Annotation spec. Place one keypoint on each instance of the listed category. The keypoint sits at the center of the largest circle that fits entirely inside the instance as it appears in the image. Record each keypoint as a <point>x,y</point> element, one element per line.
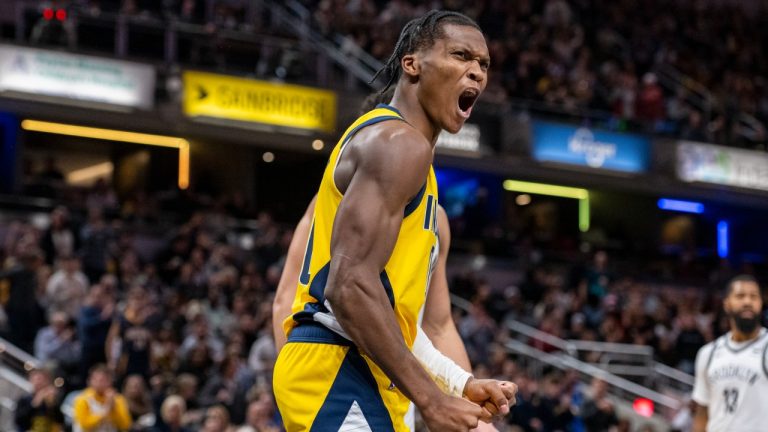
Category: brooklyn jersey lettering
<point>406,275</point>
<point>732,381</point>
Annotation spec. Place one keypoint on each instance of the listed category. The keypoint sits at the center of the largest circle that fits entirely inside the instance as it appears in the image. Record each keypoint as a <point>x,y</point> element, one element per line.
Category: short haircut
<point>100,368</point>
<point>418,34</point>
<point>741,278</point>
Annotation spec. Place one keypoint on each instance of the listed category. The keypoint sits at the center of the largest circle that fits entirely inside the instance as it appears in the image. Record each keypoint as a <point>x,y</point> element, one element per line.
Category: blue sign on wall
<point>554,142</point>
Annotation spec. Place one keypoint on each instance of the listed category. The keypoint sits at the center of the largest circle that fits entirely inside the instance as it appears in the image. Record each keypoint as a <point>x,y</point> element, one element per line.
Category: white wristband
<point>449,376</point>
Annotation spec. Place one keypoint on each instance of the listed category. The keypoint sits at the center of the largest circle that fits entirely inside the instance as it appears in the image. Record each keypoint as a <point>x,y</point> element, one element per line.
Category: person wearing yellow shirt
<point>99,408</point>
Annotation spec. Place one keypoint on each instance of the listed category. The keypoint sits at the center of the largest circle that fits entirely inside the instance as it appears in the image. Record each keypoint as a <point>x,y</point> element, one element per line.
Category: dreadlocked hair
<point>419,33</point>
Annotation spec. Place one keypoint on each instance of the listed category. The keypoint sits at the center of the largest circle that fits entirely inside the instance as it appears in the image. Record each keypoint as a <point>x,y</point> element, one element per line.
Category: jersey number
<point>304,276</point>
<point>731,396</point>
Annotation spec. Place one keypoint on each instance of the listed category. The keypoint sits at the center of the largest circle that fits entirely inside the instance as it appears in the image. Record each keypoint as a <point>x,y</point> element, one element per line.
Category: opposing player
<point>351,361</point>
<point>731,388</point>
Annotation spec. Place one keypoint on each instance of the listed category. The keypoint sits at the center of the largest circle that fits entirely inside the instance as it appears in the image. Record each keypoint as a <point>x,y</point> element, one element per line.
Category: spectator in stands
<point>262,355</point>
<point>171,416</point>
<point>137,397</point>
<point>650,100</point>
<point>67,287</point>
<point>694,128</point>
<point>261,414</point>
<point>133,331</point>
<point>200,335</point>
<point>59,239</point>
<point>39,411</point>
<point>93,325</point>
<point>216,420</point>
<point>96,238</point>
<point>20,284</point>
<point>598,412</point>
<point>229,387</point>
<point>688,341</point>
<point>56,342</point>
<point>100,408</point>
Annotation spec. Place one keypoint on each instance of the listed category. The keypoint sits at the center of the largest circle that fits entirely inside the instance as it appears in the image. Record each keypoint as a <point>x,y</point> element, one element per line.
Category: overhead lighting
<point>545,189</point>
<point>318,144</point>
<point>722,239</point>
<point>268,157</point>
<point>681,206</point>
<point>558,191</point>
<point>523,200</point>
<point>120,136</point>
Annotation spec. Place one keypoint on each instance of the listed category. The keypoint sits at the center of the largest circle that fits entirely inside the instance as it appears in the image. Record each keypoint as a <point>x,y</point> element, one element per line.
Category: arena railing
<point>626,360</point>
<point>14,365</point>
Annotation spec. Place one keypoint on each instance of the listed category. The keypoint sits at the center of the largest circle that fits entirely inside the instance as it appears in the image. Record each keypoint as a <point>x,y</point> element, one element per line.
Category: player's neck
<point>405,101</point>
<point>739,336</point>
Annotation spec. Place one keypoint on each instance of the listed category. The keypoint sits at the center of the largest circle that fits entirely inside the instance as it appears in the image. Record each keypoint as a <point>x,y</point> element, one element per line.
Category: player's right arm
<point>383,170</point>
<point>700,419</point>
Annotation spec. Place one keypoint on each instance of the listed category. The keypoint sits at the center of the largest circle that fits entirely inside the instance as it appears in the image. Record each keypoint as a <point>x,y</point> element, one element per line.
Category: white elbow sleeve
<point>449,376</point>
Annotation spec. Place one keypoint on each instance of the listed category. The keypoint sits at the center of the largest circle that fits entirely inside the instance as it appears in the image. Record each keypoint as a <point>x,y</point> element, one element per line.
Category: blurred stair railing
<point>14,365</point>
<point>631,363</point>
<point>359,66</point>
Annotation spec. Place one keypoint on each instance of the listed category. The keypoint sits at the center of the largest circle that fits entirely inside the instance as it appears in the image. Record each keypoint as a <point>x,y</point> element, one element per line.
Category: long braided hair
<point>419,33</point>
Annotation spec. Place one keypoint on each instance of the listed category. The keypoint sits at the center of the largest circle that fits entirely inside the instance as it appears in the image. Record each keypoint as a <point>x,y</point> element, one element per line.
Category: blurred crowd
<point>582,55</point>
<point>163,334</point>
<point>175,334</point>
<point>684,69</point>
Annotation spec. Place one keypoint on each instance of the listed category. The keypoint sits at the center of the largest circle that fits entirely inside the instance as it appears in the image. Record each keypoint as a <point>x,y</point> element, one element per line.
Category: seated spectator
<point>171,416</point>
<point>229,387</point>
<point>598,412</point>
<point>137,396</point>
<point>216,420</point>
<point>100,408</point>
<point>40,411</point>
<point>56,342</point>
<point>261,414</point>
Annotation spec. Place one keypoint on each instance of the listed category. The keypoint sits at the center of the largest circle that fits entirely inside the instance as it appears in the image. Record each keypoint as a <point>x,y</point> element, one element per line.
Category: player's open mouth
<point>467,100</point>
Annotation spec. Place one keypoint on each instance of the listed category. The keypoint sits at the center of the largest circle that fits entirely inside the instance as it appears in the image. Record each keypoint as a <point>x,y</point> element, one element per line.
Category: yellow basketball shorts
<point>323,384</point>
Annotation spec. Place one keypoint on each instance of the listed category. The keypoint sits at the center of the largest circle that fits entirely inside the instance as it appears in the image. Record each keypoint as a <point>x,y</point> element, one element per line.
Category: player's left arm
<point>289,279</point>
<point>438,323</point>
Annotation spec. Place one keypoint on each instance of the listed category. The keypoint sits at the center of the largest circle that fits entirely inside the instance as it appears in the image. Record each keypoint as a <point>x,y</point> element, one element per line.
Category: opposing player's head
<point>443,56</point>
<point>743,303</point>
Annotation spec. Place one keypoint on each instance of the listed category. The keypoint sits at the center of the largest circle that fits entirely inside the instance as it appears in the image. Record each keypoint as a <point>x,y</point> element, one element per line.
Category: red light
<point>61,14</point>
<point>643,406</point>
<point>48,14</point>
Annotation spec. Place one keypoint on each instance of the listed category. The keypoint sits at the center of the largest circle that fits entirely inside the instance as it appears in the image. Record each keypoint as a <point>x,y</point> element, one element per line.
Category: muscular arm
<point>700,419</point>
<point>378,183</point>
<point>289,280</point>
<point>438,323</point>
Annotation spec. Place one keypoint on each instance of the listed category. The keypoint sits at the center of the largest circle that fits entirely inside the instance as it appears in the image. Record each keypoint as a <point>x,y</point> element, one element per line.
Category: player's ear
<point>411,66</point>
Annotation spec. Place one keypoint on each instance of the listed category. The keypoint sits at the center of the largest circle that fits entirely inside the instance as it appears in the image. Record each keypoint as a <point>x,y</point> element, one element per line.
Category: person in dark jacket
<point>40,411</point>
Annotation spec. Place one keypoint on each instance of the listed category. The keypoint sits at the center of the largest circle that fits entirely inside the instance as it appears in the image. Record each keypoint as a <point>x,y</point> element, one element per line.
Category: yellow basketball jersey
<point>406,275</point>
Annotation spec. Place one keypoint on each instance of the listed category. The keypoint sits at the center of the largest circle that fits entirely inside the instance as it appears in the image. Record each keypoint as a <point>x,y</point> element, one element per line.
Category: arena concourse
<point>155,157</point>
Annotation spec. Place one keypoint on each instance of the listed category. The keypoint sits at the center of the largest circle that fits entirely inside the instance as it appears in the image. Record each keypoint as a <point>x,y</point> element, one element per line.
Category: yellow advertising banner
<point>232,98</point>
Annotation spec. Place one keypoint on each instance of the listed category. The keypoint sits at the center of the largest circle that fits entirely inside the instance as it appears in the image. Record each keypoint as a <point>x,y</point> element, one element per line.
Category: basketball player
<point>437,321</point>
<point>731,389</point>
<point>351,361</point>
